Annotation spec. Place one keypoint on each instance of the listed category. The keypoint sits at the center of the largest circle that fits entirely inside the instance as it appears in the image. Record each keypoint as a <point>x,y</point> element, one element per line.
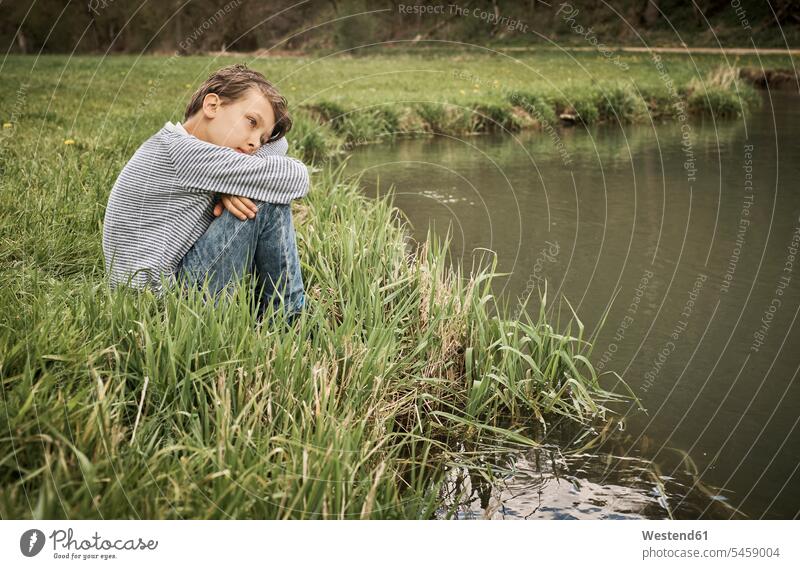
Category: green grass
<point>122,405</point>
<point>341,101</point>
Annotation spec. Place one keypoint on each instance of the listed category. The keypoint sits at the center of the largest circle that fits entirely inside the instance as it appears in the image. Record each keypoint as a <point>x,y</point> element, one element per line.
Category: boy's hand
<point>240,206</point>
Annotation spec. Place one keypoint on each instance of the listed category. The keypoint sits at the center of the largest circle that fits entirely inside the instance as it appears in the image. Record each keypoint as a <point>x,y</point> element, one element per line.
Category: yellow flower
<point>462,91</point>
<point>7,125</point>
<point>188,85</point>
<point>69,141</point>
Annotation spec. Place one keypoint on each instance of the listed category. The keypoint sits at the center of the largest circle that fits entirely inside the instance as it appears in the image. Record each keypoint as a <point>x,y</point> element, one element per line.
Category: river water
<point>686,235</point>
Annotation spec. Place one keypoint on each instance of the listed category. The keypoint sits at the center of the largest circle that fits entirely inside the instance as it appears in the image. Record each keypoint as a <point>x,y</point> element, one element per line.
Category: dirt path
<point>684,49</point>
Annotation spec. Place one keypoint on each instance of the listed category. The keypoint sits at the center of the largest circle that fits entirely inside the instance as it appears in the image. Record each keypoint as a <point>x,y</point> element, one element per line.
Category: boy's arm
<point>276,148</point>
<point>203,167</point>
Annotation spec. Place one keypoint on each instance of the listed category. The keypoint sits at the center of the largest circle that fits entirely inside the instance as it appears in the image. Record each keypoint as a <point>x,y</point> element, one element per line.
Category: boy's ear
<point>211,103</point>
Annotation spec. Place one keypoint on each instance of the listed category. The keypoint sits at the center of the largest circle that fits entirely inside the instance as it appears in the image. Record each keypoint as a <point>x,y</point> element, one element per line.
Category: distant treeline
<point>196,26</point>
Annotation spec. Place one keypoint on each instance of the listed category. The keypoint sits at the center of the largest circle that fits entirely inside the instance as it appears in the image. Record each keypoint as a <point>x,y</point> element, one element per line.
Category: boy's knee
<point>275,211</point>
<point>269,206</point>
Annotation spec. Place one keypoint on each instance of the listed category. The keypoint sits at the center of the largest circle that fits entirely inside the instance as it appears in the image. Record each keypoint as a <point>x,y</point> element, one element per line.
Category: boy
<point>162,218</point>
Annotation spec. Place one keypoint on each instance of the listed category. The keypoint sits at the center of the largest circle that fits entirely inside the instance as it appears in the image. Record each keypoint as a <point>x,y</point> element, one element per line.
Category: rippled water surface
<point>690,248</point>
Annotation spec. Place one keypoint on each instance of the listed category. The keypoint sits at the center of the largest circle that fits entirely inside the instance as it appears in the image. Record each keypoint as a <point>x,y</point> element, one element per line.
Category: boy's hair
<point>231,82</point>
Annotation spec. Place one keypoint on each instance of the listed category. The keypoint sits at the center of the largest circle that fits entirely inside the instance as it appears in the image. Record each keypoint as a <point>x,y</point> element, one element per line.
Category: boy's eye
<point>252,122</point>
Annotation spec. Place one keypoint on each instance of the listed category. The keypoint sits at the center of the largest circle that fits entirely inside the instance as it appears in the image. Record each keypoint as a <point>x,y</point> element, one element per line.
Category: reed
<point>125,405</point>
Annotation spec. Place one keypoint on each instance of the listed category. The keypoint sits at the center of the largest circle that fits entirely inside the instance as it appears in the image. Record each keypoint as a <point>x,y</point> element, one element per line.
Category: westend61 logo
<point>65,546</point>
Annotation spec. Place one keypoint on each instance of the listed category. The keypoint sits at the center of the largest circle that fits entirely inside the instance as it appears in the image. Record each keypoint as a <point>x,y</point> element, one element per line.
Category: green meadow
<point>121,405</point>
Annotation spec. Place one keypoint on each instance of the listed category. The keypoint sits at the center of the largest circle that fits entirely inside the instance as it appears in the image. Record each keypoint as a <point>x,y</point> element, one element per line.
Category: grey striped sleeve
<point>203,167</point>
<point>276,148</point>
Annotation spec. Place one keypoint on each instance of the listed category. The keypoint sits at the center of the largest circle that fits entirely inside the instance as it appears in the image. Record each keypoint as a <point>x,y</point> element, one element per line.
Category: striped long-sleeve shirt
<point>164,197</point>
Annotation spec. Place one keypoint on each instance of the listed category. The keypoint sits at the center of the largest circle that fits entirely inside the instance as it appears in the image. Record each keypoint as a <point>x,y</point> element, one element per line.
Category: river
<point>686,234</point>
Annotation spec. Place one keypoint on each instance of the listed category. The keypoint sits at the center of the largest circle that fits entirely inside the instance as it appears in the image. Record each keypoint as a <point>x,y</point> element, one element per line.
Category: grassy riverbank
<point>128,406</point>
<point>459,94</point>
<point>340,102</point>
<point>122,406</point>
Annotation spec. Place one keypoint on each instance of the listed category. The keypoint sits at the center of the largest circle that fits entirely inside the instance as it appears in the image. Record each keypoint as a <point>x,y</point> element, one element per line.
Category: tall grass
<point>122,405</point>
<point>721,93</point>
<point>615,99</point>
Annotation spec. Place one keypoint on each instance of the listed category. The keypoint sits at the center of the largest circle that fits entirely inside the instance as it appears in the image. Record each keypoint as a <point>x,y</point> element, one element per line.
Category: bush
<point>445,118</point>
<point>720,93</point>
<point>491,117</point>
<point>432,115</point>
<point>312,140</point>
<point>586,109</point>
<point>363,126</point>
<point>330,111</point>
<point>722,102</point>
<point>619,102</point>
<point>535,105</point>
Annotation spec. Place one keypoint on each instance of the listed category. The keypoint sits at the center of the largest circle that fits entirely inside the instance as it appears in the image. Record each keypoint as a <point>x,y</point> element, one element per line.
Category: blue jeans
<point>263,246</point>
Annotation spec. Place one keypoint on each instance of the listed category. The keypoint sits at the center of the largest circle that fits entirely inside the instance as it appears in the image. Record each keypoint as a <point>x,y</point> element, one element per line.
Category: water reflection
<point>604,482</point>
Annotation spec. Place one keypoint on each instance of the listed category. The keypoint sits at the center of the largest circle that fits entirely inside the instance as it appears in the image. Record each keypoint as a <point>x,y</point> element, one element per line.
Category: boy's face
<point>242,124</point>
